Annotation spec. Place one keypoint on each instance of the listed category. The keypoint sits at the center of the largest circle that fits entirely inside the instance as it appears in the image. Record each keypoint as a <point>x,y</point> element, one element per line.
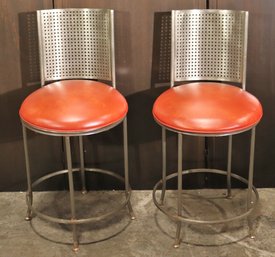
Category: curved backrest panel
<point>76,43</point>
<point>209,45</point>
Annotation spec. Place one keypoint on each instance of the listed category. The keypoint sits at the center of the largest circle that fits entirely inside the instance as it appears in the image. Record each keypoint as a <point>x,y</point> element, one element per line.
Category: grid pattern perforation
<point>75,43</point>
<point>209,45</point>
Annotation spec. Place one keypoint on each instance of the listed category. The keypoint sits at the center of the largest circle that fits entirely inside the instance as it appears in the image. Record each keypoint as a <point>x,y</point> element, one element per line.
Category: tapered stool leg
<point>177,241</point>
<point>82,168</point>
<point>29,195</point>
<point>250,182</point>
<point>229,161</point>
<point>126,166</point>
<point>163,140</point>
<point>71,189</point>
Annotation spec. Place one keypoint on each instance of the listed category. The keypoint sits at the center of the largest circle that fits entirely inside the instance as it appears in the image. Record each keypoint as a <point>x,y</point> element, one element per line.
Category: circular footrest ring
<point>83,220</point>
<point>176,217</point>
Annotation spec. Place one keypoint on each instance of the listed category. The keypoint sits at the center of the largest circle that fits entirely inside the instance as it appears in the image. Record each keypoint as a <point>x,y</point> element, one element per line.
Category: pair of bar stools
<point>77,53</point>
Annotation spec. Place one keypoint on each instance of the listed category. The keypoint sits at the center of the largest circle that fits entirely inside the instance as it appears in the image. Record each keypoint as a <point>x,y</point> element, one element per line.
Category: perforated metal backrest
<point>209,45</point>
<point>76,43</point>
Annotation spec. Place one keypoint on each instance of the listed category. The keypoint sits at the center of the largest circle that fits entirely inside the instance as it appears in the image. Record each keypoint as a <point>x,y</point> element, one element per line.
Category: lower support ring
<point>79,221</point>
<point>176,217</point>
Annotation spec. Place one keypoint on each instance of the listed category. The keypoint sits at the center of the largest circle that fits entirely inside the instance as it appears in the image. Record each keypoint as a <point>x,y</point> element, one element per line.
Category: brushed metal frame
<point>251,205</point>
<point>178,218</point>
<point>47,18</point>
<point>67,137</point>
<point>239,16</point>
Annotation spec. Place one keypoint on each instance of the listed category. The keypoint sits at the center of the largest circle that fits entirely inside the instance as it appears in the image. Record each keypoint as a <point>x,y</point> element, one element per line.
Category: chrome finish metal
<point>86,220</point>
<point>251,167</point>
<point>245,52</point>
<point>71,189</point>
<point>82,168</point>
<point>177,241</point>
<point>173,52</point>
<point>163,140</point>
<point>250,203</point>
<point>125,148</point>
<point>229,161</point>
<point>252,236</point>
<point>73,221</point>
<point>209,45</point>
<point>76,43</point>
<point>177,218</point>
<point>113,63</point>
<point>29,195</point>
<point>126,167</point>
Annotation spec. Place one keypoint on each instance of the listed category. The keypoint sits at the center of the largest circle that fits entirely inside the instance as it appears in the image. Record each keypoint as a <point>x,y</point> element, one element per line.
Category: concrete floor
<point>151,234</point>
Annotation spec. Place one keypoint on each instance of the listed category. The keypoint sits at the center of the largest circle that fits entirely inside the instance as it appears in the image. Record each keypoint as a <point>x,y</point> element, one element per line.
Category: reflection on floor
<point>151,234</point>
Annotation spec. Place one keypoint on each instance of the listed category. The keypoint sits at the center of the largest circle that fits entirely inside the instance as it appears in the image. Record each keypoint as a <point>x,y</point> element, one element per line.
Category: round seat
<point>207,108</point>
<point>73,106</point>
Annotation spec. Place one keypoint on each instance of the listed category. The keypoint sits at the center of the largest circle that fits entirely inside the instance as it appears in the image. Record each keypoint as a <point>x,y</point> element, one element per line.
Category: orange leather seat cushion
<point>73,106</point>
<point>207,108</point>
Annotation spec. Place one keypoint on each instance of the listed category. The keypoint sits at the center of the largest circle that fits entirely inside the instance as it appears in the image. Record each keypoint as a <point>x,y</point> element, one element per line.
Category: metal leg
<point>71,189</point>
<point>206,152</point>
<point>82,168</point>
<point>250,181</point>
<point>229,161</point>
<point>29,195</point>
<point>177,241</point>
<point>163,165</point>
<point>126,166</point>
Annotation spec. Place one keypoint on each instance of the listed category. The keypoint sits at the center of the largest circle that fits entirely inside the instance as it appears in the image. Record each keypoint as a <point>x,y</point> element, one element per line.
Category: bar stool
<point>208,54</point>
<point>77,58</point>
